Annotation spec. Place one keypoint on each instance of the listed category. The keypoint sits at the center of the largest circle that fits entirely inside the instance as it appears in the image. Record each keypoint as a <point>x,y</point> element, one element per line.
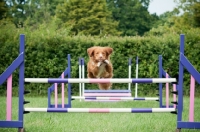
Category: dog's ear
<point>90,51</point>
<point>109,50</point>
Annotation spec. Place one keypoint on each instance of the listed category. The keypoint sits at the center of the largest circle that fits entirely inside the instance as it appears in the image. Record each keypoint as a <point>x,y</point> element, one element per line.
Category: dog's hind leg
<point>90,75</point>
<point>105,86</point>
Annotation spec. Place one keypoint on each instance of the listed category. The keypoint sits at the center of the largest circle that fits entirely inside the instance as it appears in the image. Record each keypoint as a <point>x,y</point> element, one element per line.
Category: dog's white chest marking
<point>101,67</point>
<point>101,70</point>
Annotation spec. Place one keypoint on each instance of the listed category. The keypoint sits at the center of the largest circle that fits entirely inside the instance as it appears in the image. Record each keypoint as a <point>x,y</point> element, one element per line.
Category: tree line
<point>98,17</point>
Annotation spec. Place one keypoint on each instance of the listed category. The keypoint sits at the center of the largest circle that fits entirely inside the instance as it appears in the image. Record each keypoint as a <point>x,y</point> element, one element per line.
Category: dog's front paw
<point>106,61</point>
<point>99,64</point>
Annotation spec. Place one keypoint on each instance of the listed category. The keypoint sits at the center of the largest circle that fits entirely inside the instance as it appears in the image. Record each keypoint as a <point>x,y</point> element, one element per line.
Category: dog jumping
<point>99,65</point>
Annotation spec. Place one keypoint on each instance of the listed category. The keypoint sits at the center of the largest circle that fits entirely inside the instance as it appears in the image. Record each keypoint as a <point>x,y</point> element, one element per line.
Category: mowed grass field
<point>97,122</point>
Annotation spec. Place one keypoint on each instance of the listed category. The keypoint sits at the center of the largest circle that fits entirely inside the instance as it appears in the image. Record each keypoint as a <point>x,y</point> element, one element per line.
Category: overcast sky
<point>161,6</point>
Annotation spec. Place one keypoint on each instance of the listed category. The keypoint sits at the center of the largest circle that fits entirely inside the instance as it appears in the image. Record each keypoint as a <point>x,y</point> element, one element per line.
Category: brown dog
<point>99,65</point>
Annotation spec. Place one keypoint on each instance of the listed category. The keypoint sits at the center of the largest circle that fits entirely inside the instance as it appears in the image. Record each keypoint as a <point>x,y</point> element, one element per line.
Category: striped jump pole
<point>113,80</point>
<point>174,95</point>
<point>56,95</point>
<point>136,76</point>
<point>83,74</point>
<point>9,99</point>
<point>115,98</point>
<point>80,88</point>
<point>102,110</point>
<point>63,91</point>
<point>108,94</point>
<point>192,93</point>
<point>167,93</point>
<point>129,72</point>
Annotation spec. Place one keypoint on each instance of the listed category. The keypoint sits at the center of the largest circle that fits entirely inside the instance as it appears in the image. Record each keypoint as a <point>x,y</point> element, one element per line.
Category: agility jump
<point>93,95</point>
<point>85,94</point>
<point>19,63</point>
<point>98,95</point>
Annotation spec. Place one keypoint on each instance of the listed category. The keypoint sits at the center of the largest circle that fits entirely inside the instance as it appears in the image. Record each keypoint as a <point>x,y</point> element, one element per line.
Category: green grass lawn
<point>98,122</point>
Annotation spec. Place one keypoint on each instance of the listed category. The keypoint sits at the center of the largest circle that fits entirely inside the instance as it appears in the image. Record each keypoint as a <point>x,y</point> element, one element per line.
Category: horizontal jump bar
<point>107,91</point>
<point>102,110</point>
<point>114,98</point>
<point>108,94</point>
<point>113,80</point>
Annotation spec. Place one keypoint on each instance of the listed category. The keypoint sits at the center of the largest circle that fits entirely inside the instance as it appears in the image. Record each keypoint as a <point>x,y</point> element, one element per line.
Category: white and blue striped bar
<point>113,80</point>
<point>116,98</point>
<point>102,110</point>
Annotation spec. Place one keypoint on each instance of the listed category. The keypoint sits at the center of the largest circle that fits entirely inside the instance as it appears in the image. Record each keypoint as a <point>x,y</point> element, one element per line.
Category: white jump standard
<point>113,80</point>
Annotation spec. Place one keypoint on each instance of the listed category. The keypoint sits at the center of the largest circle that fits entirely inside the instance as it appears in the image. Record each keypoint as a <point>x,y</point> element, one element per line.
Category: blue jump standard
<point>188,125</point>
<point>11,124</point>
<point>107,91</point>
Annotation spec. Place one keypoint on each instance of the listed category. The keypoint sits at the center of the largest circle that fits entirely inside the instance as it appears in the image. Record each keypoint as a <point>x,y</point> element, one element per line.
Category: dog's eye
<point>97,52</point>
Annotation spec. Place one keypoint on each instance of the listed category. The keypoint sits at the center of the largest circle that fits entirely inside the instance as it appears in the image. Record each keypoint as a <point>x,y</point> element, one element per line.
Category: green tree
<point>190,12</point>
<point>17,9</point>
<point>196,13</point>
<point>185,17</point>
<point>31,12</point>
<point>133,17</point>
<point>88,17</point>
<point>40,12</point>
<point>3,9</point>
<point>145,3</point>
